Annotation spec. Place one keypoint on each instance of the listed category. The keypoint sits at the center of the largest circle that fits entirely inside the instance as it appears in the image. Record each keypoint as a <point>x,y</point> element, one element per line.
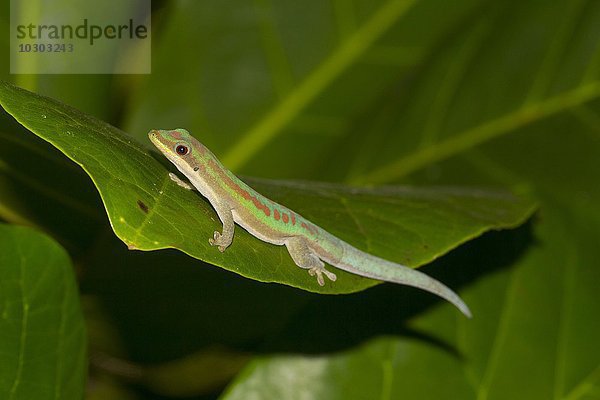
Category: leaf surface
<point>148,211</point>
<point>43,342</point>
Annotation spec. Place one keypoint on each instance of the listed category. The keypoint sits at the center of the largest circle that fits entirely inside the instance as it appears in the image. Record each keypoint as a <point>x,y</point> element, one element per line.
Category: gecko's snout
<point>155,136</point>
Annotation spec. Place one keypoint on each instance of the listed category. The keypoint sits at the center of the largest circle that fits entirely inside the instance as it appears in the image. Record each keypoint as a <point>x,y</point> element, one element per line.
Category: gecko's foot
<point>319,271</point>
<point>217,240</point>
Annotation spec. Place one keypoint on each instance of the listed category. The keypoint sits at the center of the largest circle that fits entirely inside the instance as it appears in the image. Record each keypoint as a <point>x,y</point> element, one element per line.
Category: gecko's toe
<point>216,241</point>
<point>332,277</point>
<point>320,279</point>
<point>318,273</point>
<point>221,248</point>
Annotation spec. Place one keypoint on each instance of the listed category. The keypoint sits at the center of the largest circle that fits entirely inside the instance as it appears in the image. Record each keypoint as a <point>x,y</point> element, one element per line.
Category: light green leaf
<point>374,370</point>
<point>148,211</point>
<point>42,336</point>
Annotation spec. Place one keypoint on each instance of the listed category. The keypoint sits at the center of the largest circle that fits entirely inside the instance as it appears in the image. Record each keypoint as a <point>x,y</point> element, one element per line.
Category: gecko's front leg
<point>221,240</point>
<point>224,239</point>
<point>180,182</point>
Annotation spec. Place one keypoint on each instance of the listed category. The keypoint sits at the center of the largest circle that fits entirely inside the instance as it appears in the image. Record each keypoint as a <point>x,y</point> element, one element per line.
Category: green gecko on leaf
<point>308,244</point>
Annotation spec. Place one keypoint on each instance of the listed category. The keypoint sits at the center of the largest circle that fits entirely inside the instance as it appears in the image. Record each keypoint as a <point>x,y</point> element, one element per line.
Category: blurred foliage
<point>469,92</point>
<point>42,334</point>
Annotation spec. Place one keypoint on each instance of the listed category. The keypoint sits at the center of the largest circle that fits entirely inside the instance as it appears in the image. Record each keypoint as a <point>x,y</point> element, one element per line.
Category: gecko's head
<point>174,142</point>
<point>182,149</point>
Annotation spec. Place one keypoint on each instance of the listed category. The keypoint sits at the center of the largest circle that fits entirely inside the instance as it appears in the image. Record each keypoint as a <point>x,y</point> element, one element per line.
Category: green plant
<point>461,100</point>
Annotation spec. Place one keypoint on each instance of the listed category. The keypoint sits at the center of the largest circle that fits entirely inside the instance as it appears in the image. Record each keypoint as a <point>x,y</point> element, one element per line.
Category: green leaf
<point>42,335</point>
<point>374,370</point>
<point>148,211</point>
<point>447,110</point>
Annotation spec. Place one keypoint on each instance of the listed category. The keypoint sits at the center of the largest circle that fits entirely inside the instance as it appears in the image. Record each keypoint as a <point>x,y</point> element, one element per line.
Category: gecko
<point>309,245</point>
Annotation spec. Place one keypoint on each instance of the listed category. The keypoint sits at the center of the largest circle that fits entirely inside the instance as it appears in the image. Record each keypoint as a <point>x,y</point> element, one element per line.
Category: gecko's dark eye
<point>182,150</point>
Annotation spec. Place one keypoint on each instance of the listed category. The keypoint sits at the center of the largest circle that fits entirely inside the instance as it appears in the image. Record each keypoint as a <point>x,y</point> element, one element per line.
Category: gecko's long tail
<point>367,265</point>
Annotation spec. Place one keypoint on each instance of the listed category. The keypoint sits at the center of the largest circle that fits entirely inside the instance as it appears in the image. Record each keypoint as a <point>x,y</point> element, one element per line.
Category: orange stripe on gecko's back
<point>277,215</point>
<point>310,228</point>
<point>237,188</point>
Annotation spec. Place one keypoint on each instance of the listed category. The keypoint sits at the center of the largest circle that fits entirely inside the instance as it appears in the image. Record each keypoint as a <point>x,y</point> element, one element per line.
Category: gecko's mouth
<point>155,138</point>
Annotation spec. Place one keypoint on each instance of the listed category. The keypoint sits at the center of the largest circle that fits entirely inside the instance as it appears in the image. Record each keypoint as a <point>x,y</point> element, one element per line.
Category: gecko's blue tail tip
<point>464,309</point>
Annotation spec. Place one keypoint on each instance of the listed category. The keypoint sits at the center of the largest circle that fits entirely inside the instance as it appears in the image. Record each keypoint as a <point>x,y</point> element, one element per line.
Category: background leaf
<point>42,335</point>
<point>372,370</point>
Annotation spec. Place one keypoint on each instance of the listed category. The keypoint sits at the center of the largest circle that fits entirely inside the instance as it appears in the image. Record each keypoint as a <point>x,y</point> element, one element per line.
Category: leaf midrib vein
<point>499,339</point>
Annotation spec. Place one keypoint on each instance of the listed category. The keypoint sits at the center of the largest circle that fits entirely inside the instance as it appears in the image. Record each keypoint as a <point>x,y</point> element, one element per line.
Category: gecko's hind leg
<point>305,258</point>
